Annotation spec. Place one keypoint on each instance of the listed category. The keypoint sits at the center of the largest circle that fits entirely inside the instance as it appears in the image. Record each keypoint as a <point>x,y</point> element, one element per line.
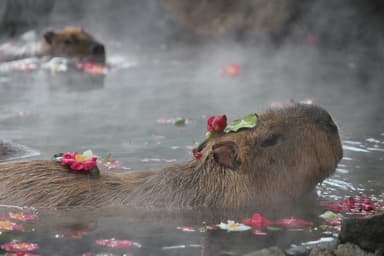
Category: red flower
<point>257,220</point>
<point>198,155</point>
<point>359,204</point>
<point>230,70</point>
<point>210,122</point>
<point>217,124</point>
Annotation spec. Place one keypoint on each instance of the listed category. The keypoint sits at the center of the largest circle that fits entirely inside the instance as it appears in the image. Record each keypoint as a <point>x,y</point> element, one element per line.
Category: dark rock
<point>351,249</point>
<point>368,233</point>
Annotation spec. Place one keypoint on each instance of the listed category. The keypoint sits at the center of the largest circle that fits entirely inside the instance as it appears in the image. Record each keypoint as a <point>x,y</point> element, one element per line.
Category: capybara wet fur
<point>280,160</point>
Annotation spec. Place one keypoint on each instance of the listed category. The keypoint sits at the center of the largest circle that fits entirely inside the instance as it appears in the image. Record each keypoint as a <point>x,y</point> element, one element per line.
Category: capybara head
<point>281,159</point>
<point>73,42</point>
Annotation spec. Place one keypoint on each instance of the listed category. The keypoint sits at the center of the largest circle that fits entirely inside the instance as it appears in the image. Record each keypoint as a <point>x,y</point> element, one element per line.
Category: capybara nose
<point>323,119</point>
<point>98,49</point>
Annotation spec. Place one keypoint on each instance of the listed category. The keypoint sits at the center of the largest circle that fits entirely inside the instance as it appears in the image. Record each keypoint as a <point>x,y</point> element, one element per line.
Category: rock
<point>368,232</point>
<point>349,249</point>
<point>297,251</point>
<point>272,251</point>
<point>12,151</point>
<point>317,251</point>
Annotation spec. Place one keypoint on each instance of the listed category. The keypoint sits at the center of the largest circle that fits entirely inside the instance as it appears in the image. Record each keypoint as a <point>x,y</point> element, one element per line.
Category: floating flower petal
<point>186,229</point>
<point>9,226</point>
<point>118,244</point>
<point>233,226</point>
<point>292,222</point>
<point>16,246</point>
<point>257,220</point>
<point>22,216</point>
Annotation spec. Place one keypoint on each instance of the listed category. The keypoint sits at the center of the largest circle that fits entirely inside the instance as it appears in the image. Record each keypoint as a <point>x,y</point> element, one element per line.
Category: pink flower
<point>9,226</point>
<point>22,216</point>
<point>89,163</point>
<point>16,246</point>
<point>113,243</point>
<point>68,158</point>
<point>257,220</point>
<point>77,166</point>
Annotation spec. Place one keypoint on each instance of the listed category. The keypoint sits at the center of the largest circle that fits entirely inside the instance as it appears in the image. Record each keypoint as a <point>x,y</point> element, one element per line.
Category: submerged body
<point>280,160</point>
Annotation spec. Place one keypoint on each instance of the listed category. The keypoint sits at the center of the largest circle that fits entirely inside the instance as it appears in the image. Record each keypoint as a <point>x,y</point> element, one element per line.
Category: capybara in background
<point>69,42</point>
<point>288,152</point>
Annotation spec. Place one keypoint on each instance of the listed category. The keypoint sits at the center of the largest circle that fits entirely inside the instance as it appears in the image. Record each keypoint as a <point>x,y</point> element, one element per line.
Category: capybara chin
<point>288,152</point>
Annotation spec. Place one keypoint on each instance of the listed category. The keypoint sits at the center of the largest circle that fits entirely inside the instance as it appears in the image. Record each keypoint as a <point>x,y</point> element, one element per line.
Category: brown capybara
<point>68,42</point>
<point>288,152</point>
<point>73,42</point>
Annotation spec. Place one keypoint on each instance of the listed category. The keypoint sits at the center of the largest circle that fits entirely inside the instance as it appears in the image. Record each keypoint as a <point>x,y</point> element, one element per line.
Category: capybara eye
<point>272,139</point>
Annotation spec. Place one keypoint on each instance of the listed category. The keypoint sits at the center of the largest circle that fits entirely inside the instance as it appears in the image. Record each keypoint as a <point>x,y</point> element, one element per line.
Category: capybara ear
<point>225,153</point>
<point>48,36</point>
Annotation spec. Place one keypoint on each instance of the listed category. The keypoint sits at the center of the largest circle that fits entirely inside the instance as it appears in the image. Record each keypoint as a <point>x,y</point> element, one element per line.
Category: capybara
<point>281,159</point>
<point>69,42</point>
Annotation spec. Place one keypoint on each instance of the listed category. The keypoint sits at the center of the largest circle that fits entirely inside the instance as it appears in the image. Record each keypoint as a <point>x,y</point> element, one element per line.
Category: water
<point>123,114</point>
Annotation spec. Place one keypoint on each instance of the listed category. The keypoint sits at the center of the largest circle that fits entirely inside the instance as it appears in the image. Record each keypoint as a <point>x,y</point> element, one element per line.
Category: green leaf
<point>57,156</point>
<point>248,121</point>
<point>180,121</point>
<point>94,172</point>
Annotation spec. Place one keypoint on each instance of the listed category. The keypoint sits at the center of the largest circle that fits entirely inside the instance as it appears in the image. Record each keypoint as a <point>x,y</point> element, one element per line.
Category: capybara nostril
<point>98,49</point>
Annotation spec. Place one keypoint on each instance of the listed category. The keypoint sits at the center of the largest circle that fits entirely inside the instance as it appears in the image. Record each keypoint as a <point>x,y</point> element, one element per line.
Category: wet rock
<point>368,233</point>
<point>272,251</point>
<point>11,151</point>
<point>297,251</point>
<point>349,249</point>
<point>317,251</point>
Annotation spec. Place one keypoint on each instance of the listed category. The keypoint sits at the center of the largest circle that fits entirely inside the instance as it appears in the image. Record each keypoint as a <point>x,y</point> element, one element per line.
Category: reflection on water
<point>120,115</point>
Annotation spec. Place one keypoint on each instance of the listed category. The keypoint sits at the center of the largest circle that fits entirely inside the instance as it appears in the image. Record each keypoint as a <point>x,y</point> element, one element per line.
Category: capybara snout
<point>281,159</point>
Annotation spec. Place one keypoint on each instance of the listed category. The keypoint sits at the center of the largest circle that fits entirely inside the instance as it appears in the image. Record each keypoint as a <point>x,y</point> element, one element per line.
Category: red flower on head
<point>210,122</point>
<point>217,124</point>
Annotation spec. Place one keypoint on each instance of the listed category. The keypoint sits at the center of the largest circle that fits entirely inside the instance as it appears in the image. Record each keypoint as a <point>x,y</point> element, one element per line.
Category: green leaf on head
<point>248,121</point>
